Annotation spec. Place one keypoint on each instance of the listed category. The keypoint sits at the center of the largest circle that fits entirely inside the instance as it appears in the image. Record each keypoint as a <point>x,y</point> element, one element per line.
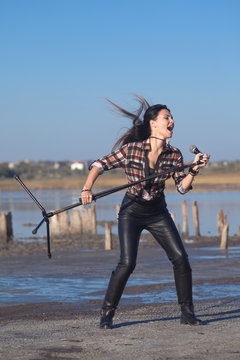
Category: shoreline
<point>18,248</point>
<point>204,182</point>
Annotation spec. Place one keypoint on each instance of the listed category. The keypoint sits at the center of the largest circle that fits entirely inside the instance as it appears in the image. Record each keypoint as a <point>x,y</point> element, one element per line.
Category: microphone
<point>193,149</point>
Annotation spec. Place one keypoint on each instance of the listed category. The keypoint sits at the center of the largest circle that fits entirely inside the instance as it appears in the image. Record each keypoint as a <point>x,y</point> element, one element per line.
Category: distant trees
<point>5,171</point>
<point>224,166</point>
<point>62,169</point>
<point>40,169</point>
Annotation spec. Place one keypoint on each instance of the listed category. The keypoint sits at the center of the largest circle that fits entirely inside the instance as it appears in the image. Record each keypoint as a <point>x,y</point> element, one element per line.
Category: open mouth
<point>170,128</point>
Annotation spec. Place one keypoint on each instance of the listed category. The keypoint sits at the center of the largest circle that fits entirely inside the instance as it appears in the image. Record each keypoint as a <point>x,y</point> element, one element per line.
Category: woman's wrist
<point>193,172</point>
<point>85,189</point>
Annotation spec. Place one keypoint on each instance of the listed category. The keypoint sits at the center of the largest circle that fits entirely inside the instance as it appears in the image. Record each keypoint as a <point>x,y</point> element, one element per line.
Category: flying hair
<point>140,129</point>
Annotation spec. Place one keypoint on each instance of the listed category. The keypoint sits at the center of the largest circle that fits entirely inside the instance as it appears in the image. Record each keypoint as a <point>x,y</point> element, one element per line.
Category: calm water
<point>26,214</point>
<point>15,290</point>
<point>38,286</point>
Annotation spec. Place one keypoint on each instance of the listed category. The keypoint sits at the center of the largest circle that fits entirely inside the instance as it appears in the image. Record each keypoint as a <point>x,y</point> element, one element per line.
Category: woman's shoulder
<point>173,149</point>
<point>134,145</point>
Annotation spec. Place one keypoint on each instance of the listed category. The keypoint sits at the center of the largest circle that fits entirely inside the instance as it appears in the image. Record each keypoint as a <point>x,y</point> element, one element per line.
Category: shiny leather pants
<point>133,218</point>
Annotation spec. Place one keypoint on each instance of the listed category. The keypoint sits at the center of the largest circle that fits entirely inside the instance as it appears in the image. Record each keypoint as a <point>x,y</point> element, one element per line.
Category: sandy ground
<point>69,330</point>
<point>53,331</point>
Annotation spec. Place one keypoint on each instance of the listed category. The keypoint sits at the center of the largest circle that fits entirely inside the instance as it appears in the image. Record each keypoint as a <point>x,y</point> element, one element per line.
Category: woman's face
<point>163,125</point>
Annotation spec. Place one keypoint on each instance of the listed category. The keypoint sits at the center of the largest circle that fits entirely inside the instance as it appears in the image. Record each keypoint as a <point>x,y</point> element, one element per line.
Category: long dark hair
<point>141,124</point>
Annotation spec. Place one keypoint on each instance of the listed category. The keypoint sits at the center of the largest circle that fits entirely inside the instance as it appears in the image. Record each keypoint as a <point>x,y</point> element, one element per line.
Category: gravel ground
<point>69,330</point>
<point>53,331</point>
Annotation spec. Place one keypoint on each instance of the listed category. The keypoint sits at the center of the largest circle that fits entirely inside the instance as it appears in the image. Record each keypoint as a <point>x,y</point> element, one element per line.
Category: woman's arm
<point>86,191</point>
<point>188,180</point>
<point>112,161</point>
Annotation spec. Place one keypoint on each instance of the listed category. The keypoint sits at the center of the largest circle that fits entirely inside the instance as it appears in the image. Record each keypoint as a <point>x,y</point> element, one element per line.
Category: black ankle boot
<point>188,317</point>
<point>106,318</point>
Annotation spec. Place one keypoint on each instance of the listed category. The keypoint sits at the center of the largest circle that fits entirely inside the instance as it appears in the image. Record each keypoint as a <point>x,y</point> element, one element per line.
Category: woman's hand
<point>187,181</point>
<point>204,158</point>
<point>86,197</point>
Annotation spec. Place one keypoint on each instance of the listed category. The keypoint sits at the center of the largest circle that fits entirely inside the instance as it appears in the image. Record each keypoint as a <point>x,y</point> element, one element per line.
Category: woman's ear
<point>152,124</point>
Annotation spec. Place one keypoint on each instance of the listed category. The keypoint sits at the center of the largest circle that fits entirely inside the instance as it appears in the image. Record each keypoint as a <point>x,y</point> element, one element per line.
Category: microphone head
<point>193,149</point>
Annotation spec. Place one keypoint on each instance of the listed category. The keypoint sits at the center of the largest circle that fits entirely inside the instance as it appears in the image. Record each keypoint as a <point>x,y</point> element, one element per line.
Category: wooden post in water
<point>86,220</point>
<point>63,223</point>
<point>173,216</point>
<point>239,230</point>
<point>93,218</point>
<point>118,209</point>
<point>185,231</point>
<point>224,236</point>
<point>6,230</point>
<point>54,226</point>
<point>54,229</point>
<point>196,218</point>
<point>59,225</point>
<point>179,228</point>
<point>220,222</point>
<point>9,226</point>
<point>108,236</point>
<point>3,227</point>
<point>75,222</point>
<point>89,220</point>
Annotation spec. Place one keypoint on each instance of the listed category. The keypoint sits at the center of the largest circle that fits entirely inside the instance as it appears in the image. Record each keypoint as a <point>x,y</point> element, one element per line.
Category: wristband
<point>85,190</point>
<point>193,172</point>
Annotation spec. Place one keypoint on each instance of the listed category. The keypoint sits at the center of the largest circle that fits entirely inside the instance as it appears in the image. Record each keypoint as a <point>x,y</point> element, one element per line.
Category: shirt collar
<point>146,145</point>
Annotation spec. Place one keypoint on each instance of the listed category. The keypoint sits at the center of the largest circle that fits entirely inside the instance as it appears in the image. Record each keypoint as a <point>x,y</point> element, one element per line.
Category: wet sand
<point>69,330</point>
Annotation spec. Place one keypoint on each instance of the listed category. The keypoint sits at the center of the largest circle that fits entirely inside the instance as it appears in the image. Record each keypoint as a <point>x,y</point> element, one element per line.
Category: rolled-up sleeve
<point>178,177</point>
<point>98,165</point>
<point>112,161</point>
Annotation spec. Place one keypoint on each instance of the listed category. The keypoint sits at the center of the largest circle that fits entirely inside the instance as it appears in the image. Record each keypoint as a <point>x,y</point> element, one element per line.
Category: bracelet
<point>193,172</point>
<point>85,190</point>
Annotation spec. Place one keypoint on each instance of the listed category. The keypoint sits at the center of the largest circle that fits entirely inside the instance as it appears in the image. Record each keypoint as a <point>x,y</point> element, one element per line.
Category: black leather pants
<point>133,218</point>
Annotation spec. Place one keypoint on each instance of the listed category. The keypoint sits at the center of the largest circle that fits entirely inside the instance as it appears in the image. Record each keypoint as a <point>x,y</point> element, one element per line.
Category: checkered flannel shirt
<point>132,157</point>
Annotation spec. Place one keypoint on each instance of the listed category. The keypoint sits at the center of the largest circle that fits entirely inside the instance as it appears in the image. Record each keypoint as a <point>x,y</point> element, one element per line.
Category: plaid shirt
<point>133,159</point>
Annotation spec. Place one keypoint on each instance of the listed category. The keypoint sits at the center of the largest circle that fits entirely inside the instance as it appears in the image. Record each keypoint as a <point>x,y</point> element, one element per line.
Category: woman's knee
<point>182,265</point>
<point>126,266</point>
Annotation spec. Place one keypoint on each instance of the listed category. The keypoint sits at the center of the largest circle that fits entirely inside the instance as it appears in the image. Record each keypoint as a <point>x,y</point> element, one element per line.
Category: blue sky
<point>59,59</point>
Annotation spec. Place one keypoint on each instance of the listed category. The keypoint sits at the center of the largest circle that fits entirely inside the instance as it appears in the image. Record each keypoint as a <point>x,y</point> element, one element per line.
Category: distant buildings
<point>78,165</point>
<point>48,169</point>
<point>73,165</point>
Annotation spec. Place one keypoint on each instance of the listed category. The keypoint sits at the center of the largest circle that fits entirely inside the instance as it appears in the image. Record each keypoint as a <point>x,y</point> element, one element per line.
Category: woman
<point>144,150</point>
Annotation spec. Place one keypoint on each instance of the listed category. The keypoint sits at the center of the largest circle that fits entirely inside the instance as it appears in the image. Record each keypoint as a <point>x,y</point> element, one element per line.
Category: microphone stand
<point>96,196</point>
<point>44,214</point>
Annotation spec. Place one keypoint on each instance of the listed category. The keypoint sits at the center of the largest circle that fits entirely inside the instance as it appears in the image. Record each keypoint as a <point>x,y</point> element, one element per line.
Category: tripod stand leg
<point>29,193</point>
<point>36,229</point>
<point>48,238</point>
